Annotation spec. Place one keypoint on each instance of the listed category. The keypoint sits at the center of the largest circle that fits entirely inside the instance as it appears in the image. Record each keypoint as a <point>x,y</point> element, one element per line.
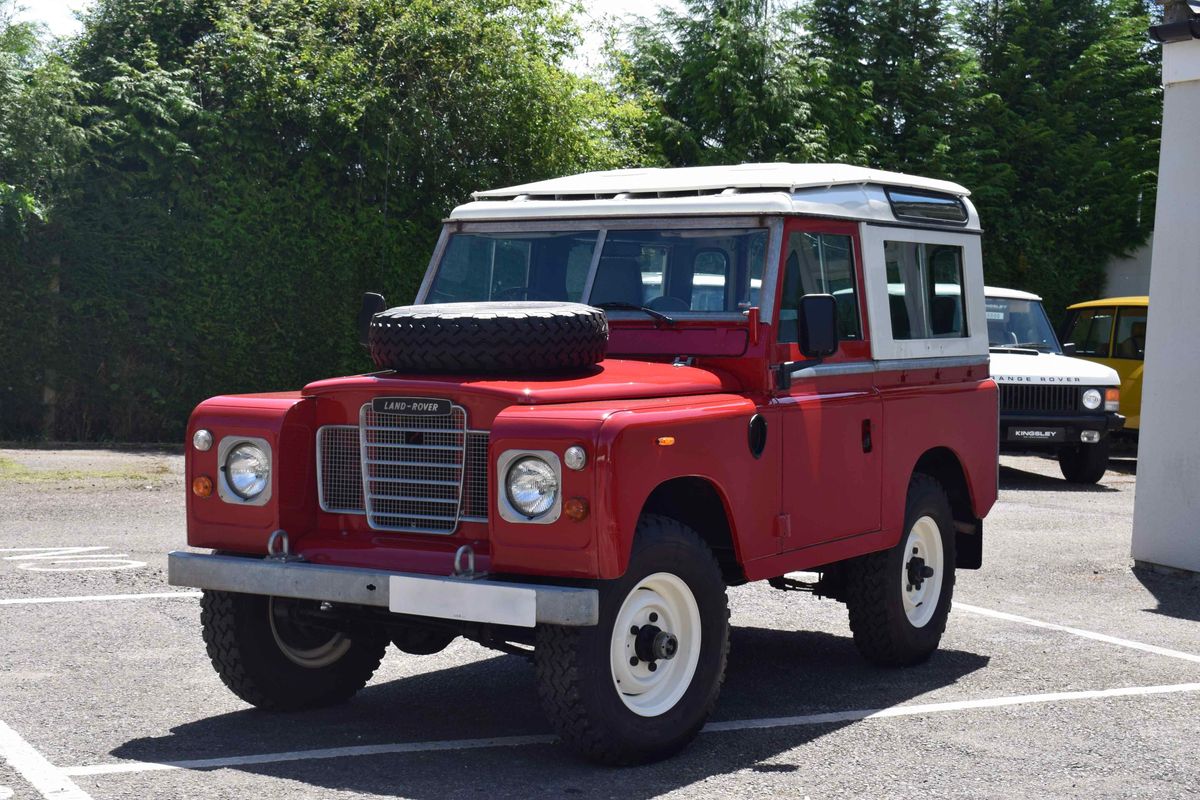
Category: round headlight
<point>1092,399</point>
<point>247,470</point>
<point>202,439</point>
<point>532,486</point>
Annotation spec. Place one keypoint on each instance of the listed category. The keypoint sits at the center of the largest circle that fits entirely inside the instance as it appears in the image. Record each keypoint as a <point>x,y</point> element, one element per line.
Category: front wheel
<point>899,599</point>
<point>1084,463</point>
<point>638,686</point>
<point>270,654</point>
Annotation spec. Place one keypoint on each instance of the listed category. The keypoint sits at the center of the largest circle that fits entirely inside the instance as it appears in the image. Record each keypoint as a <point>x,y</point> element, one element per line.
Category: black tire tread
<point>868,586</point>
<point>488,337</point>
<point>559,679</point>
<point>219,619</point>
<point>1084,463</point>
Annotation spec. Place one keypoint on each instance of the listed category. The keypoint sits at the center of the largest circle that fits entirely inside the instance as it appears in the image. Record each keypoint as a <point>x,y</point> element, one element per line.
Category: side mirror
<point>1069,348</point>
<point>372,304</point>
<point>818,325</point>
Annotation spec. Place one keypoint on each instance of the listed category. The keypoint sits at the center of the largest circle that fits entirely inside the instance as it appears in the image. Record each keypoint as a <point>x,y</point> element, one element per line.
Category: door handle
<point>866,435</point>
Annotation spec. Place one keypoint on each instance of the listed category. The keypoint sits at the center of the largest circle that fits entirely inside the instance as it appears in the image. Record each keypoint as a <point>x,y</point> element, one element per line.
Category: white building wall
<point>1129,276</point>
<point>1166,521</point>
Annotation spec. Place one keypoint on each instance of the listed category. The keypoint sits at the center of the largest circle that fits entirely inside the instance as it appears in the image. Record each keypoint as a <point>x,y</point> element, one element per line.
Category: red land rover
<point>618,394</point>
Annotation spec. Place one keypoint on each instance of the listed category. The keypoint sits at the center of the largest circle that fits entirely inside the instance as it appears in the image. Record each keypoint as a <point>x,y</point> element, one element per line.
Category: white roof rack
<point>1010,294</point>
<point>725,180</point>
<point>826,190</point>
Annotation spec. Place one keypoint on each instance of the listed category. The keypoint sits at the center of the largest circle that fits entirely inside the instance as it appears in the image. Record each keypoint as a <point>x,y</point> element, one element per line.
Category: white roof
<point>827,190</point>
<point>783,177</point>
<point>1009,294</point>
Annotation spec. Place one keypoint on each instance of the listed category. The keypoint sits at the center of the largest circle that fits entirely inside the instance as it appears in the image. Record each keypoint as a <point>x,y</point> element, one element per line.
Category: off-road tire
<point>574,677</point>
<point>488,337</point>
<point>237,633</point>
<point>882,631</point>
<point>1084,463</point>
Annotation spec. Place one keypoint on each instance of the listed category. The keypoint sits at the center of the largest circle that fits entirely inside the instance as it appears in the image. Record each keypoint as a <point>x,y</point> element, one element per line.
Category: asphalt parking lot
<point>1062,674</point>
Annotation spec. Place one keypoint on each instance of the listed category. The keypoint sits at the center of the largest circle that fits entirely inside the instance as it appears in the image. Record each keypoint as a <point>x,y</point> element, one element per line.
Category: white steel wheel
<point>655,644</point>
<point>922,567</point>
<point>307,647</point>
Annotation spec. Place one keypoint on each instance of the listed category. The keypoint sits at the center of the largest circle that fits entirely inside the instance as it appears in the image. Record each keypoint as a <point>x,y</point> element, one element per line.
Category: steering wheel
<point>512,293</point>
<point>668,303</point>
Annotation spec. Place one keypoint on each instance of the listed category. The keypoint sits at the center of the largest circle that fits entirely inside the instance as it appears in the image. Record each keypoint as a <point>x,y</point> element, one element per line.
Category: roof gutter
<point>1181,31</point>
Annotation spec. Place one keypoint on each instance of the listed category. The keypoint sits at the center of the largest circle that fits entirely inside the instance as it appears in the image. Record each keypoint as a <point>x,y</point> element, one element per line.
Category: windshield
<point>1019,323</point>
<point>669,269</point>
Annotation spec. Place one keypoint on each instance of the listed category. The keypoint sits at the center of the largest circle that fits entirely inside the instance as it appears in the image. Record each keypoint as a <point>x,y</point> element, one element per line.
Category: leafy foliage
<point>1047,110</point>
<point>725,84</point>
<point>194,193</point>
<point>1062,143</point>
<point>257,165</point>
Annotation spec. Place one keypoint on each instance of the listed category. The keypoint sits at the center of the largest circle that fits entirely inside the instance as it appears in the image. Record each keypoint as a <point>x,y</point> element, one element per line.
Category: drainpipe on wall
<point>1166,517</point>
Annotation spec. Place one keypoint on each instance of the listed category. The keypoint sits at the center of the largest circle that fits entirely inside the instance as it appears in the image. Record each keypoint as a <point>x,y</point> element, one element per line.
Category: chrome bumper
<point>478,600</point>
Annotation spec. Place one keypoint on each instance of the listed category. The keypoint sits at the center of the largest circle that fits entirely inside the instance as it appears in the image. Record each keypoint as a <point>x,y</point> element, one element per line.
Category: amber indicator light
<point>576,508</point>
<point>202,486</point>
<point>666,441</point>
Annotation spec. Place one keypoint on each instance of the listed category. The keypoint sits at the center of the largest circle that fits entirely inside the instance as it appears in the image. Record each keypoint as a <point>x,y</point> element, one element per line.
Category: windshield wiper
<point>617,305</point>
<point>1035,346</point>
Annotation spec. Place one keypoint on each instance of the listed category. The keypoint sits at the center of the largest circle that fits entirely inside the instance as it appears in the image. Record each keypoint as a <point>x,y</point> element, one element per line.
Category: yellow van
<point>1112,331</point>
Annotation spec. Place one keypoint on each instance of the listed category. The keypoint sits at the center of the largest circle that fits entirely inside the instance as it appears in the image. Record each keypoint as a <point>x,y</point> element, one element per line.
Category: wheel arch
<point>943,465</point>
<point>699,503</point>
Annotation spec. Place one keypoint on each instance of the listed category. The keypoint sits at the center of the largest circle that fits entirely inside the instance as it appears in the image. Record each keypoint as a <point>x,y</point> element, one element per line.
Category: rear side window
<point>1091,331</point>
<point>925,290</point>
<point>1130,340</point>
<point>926,206</point>
<point>819,263</point>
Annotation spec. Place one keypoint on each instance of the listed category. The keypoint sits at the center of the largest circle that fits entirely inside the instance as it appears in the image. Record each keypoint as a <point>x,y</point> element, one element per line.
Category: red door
<point>831,413</point>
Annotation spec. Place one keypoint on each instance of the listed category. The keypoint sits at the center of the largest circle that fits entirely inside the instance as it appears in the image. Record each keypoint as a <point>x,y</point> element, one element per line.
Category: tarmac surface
<point>1062,674</point>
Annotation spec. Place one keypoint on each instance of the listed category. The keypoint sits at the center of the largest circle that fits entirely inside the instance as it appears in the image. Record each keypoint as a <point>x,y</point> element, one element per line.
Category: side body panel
<point>627,463</point>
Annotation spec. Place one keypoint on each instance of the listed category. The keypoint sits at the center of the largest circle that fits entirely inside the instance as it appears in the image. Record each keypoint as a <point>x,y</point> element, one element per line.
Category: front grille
<point>339,475</point>
<point>1022,397</point>
<point>416,474</point>
<point>474,496</point>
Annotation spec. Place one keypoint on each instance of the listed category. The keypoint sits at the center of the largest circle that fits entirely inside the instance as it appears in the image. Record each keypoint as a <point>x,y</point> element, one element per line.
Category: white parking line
<point>713,727</point>
<point>49,780</point>
<point>1099,637</point>
<point>91,598</point>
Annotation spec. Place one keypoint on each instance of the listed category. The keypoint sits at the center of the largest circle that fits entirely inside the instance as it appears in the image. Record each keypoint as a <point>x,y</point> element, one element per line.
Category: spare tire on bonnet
<point>488,337</point>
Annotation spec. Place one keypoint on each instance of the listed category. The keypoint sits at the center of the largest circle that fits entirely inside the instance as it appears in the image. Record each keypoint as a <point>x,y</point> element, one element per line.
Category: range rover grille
<point>1032,398</point>
<point>409,473</point>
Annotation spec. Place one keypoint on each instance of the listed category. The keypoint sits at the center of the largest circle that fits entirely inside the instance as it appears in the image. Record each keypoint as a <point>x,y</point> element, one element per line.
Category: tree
<point>41,137</point>
<point>726,81</point>
<point>906,81</point>
<point>1062,145</point>
<point>258,164</point>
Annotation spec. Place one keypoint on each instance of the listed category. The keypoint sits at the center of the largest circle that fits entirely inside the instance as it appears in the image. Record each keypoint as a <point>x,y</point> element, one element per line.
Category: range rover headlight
<point>1092,399</point>
<point>248,470</point>
<point>531,485</point>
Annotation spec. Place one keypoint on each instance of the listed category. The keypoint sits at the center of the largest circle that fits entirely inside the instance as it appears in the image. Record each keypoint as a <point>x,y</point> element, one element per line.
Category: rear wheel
<point>271,656</point>
<point>1084,463</point>
<point>899,599</point>
<point>638,686</point>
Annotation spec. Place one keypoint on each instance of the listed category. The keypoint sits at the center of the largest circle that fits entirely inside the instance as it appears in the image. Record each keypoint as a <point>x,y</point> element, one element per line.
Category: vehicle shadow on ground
<point>771,674</point>
<point>1023,480</point>
<point>1177,595</point>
